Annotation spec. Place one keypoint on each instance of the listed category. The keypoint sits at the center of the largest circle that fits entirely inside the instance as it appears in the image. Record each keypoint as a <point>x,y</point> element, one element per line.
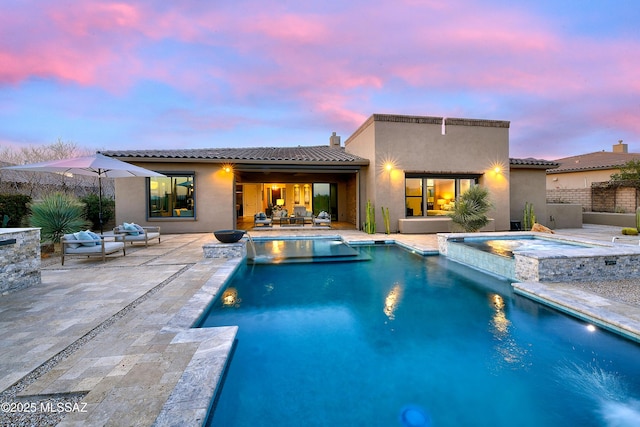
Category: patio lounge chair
<point>135,233</point>
<point>262,220</point>
<point>322,220</point>
<point>89,244</point>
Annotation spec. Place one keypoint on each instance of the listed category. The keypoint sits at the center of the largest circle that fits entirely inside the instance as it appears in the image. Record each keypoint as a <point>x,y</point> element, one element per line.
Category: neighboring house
<point>572,181</point>
<point>414,165</point>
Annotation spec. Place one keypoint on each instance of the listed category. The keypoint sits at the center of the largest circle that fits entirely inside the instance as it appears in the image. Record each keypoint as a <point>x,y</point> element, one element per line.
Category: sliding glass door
<point>325,198</point>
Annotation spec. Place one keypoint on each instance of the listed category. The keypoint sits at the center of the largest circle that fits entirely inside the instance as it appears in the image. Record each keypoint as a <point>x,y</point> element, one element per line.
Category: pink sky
<point>191,74</point>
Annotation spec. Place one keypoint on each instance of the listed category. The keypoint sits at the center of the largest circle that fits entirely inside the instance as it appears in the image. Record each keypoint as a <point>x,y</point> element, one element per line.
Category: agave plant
<point>56,215</point>
<point>470,212</point>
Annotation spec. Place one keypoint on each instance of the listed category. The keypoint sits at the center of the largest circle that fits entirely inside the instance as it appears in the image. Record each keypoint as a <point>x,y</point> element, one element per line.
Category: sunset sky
<point>244,73</point>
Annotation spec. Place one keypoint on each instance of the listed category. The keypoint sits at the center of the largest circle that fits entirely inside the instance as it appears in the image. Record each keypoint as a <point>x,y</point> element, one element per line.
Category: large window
<point>434,195</point>
<point>172,196</point>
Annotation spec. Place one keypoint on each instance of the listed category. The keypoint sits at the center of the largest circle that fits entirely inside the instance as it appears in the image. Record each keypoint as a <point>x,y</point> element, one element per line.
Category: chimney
<point>620,147</point>
<point>334,140</point>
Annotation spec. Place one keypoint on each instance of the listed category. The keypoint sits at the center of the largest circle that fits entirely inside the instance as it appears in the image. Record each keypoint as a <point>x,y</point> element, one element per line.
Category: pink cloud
<point>290,28</point>
<point>86,18</point>
<point>328,58</point>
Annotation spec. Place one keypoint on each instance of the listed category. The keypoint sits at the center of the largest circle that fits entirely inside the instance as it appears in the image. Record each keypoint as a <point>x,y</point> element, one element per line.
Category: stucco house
<point>414,165</point>
<point>571,181</point>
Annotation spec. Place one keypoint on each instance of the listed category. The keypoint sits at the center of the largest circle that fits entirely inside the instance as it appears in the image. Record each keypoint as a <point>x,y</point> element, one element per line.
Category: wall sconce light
<point>228,168</point>
<point>387,164</point>
<point>307,194</point>
<point>497,168</point>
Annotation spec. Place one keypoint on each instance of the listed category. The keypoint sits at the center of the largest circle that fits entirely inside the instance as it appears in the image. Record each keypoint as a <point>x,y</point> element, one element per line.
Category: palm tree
<point>470,212</point>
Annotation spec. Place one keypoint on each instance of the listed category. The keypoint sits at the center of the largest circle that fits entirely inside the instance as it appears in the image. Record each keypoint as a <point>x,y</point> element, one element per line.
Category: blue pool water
<point>303,250</point>
<point>404,338</point>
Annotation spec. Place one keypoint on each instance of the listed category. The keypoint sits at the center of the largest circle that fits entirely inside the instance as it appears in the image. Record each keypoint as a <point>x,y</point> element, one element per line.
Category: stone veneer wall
<point>578,268</point>
<point>19,261</point>
<point>225,250</point>
<point>599,262</point>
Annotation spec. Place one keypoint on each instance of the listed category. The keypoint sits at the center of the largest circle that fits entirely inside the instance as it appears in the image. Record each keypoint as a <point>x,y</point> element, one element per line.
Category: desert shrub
<point>15,206</point>
<point>92,209</point>
<point>58,214</point>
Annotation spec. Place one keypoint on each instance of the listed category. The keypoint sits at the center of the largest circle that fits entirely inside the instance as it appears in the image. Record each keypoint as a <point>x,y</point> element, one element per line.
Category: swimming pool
<point>357,343</point>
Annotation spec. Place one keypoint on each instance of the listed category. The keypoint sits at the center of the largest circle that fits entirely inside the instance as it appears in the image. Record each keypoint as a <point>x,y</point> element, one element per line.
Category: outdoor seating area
<point>89,244</point>
<point>134,233</point>
<point>300,218</point>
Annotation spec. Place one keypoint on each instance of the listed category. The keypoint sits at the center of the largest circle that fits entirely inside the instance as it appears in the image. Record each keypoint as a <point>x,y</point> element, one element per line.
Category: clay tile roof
<point>533,163</point>
<point>311,154</point>
<point>594,161</point>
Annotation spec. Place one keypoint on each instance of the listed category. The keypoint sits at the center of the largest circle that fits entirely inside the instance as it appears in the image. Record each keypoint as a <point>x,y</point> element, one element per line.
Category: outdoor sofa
<point>86,243</point>
<point>135,233</point>
<point>301,211</point>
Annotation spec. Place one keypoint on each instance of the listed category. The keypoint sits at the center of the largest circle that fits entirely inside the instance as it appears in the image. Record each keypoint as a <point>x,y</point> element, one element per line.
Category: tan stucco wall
<point>214,195</point>
<point>363,145</point>
<point>421,147</point>
<point>581,179</point>
<point>528,185</point>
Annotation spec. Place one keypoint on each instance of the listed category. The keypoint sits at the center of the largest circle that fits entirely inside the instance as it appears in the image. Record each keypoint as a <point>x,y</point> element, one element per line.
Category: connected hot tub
<point>540,257</point>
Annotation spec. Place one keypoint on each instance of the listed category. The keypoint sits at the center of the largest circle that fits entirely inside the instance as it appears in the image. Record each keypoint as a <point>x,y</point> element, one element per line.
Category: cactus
<point>370,221</point>
<point>638,219</point>
<point>387,222</point>
<point>529,216</point>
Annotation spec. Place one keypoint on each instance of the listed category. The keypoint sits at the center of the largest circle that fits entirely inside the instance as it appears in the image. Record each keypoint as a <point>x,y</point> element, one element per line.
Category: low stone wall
<point>606,218</point>
<point>225,250</point>
<point>19,258</point>
<point>562,215</point>
<point>430,225</point>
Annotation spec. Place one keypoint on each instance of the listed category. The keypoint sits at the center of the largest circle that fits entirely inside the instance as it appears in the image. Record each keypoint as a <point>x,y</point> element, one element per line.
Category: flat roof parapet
<point>430,120</point>
<point>438,120</point>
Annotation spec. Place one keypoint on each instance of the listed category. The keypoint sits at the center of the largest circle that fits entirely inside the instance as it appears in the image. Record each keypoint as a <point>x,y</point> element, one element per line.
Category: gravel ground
<point>627,291</point>
<point>42,411</point>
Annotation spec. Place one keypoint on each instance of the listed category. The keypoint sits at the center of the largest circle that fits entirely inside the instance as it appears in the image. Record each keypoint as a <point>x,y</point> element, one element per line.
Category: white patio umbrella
<point>95,165</point>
